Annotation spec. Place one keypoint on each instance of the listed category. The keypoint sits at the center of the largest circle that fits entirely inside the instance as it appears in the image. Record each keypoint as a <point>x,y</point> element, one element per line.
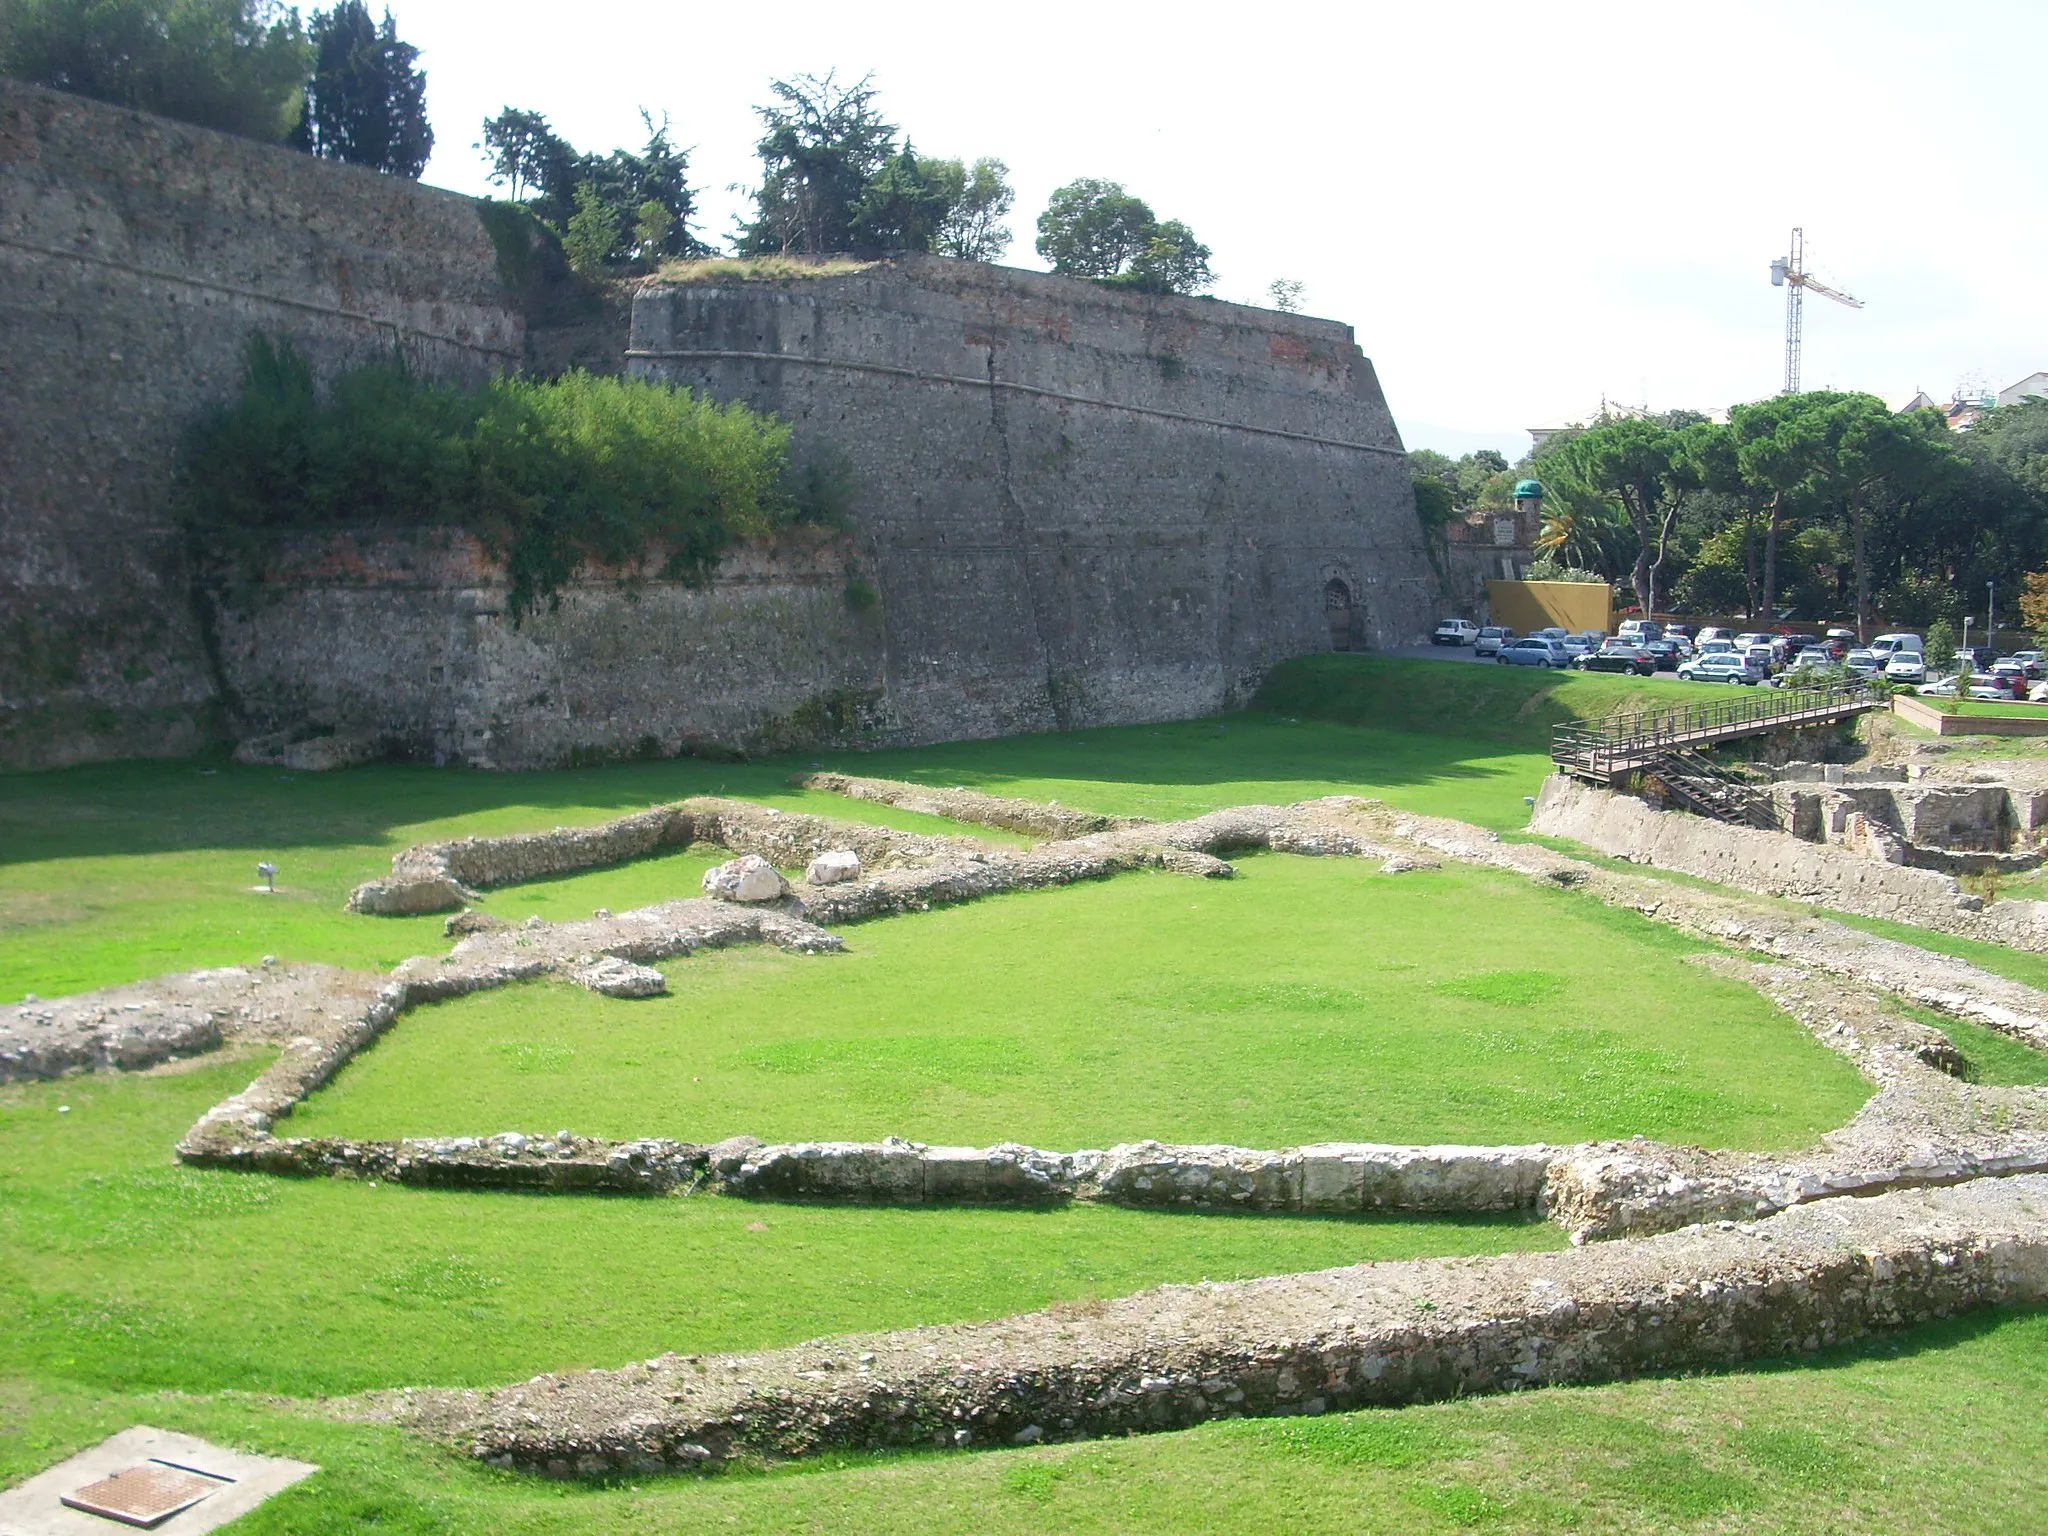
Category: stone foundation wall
<point>410,639</point>
<point>1415,1331</point>
<point>1778,864</point>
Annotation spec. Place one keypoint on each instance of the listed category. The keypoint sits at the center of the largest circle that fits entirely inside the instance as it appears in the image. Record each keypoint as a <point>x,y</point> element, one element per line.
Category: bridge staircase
<point>1707,789</point>
<point>1603,751</point>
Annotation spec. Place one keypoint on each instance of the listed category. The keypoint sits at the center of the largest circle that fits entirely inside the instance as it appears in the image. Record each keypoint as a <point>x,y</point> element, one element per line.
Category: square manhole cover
<point>146,1495</point>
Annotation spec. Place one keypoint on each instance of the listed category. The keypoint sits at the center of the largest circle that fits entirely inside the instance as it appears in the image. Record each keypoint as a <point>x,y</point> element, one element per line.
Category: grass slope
<point>1517,705</point>
<point>1305,1000</point>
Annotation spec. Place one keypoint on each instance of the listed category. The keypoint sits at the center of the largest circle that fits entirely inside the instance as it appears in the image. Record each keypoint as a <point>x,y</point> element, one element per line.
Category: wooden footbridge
<point>1601,751</point>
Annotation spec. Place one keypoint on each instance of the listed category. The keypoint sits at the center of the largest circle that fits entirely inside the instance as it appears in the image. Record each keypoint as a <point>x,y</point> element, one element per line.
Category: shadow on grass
<point>196,804</point>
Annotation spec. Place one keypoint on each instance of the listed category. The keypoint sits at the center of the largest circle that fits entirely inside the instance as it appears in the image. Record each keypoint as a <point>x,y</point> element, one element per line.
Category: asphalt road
<point>1438,653</point>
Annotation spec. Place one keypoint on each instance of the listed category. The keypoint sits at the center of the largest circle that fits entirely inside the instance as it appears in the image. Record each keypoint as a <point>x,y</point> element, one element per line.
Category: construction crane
<point>1790,274</point>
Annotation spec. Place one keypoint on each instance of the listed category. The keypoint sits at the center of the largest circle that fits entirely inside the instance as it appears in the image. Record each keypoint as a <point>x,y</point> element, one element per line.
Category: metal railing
<point>1604,749</point>
<point>1706,788</point>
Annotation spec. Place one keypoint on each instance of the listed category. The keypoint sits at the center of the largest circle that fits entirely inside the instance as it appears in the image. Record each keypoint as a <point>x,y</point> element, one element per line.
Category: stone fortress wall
<point>136,255</point>
<point>1084,506</point>
<point>1076,506</point>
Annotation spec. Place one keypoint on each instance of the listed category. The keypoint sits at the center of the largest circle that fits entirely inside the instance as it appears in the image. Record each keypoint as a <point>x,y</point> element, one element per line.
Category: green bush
<point>548,475</point>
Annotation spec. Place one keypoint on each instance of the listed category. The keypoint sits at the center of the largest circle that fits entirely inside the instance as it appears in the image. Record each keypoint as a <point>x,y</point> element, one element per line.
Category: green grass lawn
<point>116,872</point>
<point>122,1271</point>
<point>1308,999</point>
<point>1991,707</point>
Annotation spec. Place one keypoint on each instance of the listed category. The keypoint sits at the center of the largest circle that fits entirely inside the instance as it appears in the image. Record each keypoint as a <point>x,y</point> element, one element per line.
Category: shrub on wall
<point>547,474</point>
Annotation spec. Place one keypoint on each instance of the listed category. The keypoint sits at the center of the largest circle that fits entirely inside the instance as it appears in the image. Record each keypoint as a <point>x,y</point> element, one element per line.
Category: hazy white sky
<point>1521,208</point>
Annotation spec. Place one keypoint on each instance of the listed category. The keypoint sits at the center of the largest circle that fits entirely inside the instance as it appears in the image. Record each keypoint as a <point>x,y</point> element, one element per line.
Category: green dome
<point>1528,490</point>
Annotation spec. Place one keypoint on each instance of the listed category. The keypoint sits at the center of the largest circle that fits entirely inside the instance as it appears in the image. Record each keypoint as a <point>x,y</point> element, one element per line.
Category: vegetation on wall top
<point>1097,229</point>
<point>548,475</point>
<point>340,86</point>
<point>236,65</point>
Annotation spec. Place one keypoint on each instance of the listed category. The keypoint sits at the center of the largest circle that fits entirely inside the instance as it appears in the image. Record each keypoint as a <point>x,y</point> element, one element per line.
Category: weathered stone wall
<point>1707,1297</point>
<point>136,255</point>
<point>1080,505</point>
<point>411,639</point>
<point>1778,864</point>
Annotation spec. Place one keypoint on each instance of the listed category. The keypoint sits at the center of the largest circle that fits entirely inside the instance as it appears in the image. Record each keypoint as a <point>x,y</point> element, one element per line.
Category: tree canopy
<point>240,66</point>
<point>366,103</point>
<point>1821,504</point>
<point>1097,229</point>
<point>834,178</point>
<point>612,212</point>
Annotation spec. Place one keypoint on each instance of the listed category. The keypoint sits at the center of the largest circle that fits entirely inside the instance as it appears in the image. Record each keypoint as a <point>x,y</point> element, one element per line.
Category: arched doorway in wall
<point>1342,614</point>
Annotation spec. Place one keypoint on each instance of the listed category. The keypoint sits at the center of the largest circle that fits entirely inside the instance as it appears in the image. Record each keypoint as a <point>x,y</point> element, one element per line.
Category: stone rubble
<point>834,867</point>
<point>1935,1233</point>
<point>129,1028</point>
<point>746,878</point>
<point>1706,1297</point>
<point>233,1130</point>
<point>1922,1127</point>
<point>1029,817</point>
<point>609,976</point>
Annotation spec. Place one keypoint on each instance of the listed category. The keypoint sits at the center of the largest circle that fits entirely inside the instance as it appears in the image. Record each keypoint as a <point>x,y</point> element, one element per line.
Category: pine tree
<point>366,103</point>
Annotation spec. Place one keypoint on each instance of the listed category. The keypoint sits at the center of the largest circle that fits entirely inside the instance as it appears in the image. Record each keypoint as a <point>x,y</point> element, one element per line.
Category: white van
<point>1883,646</point>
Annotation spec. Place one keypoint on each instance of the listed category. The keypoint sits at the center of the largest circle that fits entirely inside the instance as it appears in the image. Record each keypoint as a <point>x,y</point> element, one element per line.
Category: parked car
<point>2032,659</point>
<point>1667,653</point>
<point>1534,651</point>
<point>1751,637</point>
<point>1905,667</point>
<point>1680,632</point>
<point>1761,658</point>
<point>1454,632</point>
<point>1813,669</point>
<point>1720,645</point>
<point>1711,632</point>
<point>1945,688</point>
<point>1552,633</point>
<point>1980,657</point>
<point>2009,672</point>
<point>1721,667</point>
<point>1579,645</point>
<point>1638,630</point>
<point>1619,656</point>
<point>1490,639</point>
<point>1864,663</point>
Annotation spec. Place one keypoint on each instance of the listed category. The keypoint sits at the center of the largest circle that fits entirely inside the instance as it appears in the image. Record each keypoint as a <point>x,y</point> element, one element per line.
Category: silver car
<point>1535,651</point>
<point>1490,640</point>
<point>1721,667</point>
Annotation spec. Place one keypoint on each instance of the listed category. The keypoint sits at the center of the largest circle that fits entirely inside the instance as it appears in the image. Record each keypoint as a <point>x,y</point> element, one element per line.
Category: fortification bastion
<point>1070,505</point>
<point>1083,506</point>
